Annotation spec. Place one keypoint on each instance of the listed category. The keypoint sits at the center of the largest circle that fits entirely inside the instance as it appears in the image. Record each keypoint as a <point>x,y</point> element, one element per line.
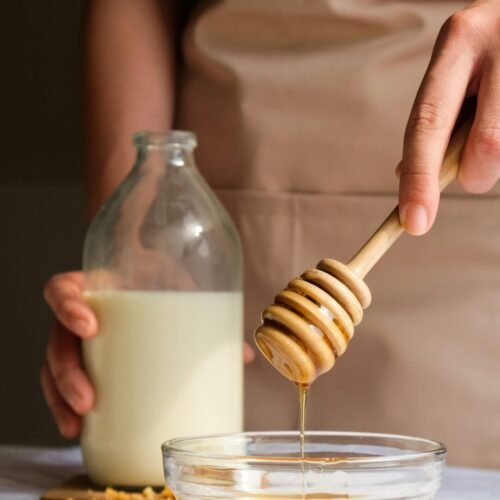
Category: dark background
<point>41,196</point>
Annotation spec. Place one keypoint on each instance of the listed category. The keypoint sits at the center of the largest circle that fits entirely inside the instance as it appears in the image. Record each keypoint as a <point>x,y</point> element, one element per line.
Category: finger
<point>480,162</point>
<point>68,422</point>
<point>64,361</point>
<point>431,121</point>
<point>248,353</point>
<point>63,293</point>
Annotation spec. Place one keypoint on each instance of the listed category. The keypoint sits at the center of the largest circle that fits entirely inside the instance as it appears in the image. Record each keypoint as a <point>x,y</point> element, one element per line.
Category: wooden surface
<point>80,488</point>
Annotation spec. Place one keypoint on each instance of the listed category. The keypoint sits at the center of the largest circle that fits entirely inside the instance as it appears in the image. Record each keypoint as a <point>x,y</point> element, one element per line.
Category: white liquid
<point>164,365</point>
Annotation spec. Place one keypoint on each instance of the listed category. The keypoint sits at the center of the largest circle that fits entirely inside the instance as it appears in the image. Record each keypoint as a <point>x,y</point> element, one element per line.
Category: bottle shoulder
<point>166,232</point>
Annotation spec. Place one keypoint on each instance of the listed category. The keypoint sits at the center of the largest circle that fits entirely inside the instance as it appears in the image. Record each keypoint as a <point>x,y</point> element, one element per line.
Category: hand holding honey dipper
<point>312,320</point>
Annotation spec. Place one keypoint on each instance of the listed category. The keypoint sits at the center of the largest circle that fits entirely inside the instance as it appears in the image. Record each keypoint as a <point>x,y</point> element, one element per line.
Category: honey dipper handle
<point>391,229</point>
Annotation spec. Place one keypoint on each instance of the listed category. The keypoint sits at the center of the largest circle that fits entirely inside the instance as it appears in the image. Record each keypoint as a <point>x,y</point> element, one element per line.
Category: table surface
<point>25,473</point>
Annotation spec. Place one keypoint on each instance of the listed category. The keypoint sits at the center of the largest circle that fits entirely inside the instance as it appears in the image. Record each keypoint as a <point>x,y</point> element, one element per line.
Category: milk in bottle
<point>162,264</point>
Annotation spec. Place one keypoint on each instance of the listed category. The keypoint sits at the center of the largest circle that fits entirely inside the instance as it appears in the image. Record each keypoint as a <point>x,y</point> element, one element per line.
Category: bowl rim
<point>438,449</point>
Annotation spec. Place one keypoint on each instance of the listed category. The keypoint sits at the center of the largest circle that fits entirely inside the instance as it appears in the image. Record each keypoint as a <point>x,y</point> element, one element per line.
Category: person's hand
<point>465,62</point>
<point>66,386</point>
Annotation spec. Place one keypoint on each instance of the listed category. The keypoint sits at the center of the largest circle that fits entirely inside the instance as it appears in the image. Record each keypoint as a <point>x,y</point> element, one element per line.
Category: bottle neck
<point>171,156</point>
<point>165,149</point>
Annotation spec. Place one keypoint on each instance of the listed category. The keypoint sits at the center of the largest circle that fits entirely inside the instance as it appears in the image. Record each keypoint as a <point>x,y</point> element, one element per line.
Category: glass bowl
<point>336,465</point>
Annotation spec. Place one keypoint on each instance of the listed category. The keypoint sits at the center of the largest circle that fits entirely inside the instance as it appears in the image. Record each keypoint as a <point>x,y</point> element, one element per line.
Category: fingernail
<point>415,219</point>
<point>75,400</point>
<point>82,327</point>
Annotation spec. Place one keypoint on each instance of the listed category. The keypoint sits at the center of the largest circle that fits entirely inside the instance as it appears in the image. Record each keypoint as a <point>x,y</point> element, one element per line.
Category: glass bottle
<point>163,273</point>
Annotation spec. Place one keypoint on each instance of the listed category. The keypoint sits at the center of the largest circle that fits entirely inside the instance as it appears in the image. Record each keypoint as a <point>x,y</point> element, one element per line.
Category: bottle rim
<point>168,138</point>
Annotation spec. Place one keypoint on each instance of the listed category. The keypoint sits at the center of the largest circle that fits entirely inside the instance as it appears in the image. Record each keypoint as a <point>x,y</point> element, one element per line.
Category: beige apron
<point>300,108</point>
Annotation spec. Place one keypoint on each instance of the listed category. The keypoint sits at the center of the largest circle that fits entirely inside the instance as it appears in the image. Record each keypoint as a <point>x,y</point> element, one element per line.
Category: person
<point>299,108</point>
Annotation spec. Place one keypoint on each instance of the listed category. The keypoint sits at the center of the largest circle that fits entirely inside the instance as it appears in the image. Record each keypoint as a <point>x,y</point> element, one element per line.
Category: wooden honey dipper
<point>312,320</point>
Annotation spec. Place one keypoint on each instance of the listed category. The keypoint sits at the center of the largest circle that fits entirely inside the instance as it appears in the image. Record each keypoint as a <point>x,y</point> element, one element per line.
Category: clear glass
<point>163,273</point>
<point>163,228</point>
<point>337,465</point>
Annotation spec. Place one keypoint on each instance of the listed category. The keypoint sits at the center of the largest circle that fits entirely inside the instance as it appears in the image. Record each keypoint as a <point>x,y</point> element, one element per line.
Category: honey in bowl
<point>336,465</point>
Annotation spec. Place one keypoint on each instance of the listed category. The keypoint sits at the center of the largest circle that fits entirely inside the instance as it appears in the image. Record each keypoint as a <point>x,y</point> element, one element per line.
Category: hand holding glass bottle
<point>143,265</point>
<point>65,384</point>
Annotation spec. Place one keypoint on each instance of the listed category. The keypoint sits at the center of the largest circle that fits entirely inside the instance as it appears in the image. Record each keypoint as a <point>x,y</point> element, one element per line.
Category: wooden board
<point>80,488</point>
<point>77,488</point>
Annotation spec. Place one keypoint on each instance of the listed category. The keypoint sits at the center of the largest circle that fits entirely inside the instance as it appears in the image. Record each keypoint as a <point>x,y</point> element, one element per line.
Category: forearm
<point>129,84</point>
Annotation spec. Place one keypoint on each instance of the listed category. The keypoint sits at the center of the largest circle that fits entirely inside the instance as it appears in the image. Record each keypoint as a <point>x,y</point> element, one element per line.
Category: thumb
<point>418,199</point>
<point>429,128</point>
